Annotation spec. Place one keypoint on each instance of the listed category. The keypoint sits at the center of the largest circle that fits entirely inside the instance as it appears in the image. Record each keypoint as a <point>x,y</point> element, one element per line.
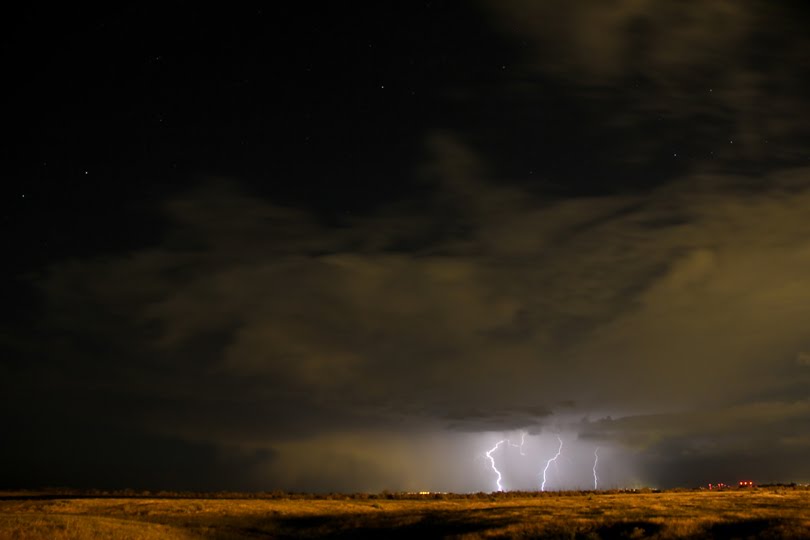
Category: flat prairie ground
<point>757,513</point>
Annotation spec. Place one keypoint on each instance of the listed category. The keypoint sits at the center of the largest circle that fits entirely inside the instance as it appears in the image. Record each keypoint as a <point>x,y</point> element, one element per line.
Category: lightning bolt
<point>522,442</point>
<point>492,462</point>
<point>559,451</point>
<point>595,461</point>
<point>492,459</point>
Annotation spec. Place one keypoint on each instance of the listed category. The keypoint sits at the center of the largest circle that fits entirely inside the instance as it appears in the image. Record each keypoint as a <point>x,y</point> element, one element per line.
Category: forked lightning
<point>559,451</point>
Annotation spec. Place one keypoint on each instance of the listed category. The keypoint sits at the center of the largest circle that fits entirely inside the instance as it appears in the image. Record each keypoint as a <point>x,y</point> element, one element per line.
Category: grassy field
<point>757,513</point>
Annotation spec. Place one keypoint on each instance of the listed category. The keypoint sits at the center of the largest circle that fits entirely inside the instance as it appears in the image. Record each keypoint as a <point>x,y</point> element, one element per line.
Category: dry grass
<point>761,513</point>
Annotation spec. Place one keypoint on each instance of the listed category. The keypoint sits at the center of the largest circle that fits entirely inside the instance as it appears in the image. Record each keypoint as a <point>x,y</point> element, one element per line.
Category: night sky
<point>337,247</point>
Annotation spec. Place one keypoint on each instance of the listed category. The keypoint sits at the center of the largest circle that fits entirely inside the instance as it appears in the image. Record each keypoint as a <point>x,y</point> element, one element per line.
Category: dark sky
<point>335,247</point>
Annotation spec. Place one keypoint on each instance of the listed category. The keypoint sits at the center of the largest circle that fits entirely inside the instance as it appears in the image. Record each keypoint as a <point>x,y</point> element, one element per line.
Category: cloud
<point>484,308</point>
<point>602,40</point>
<point>717,431</point>
<point>746,440</point>
<point>724,72</point>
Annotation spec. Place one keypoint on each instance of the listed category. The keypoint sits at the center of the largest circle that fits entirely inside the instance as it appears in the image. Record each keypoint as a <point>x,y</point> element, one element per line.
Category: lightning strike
<point>492,463</point>
<point>548,463</point>
<point>595,461</point>
<point>522,442</point>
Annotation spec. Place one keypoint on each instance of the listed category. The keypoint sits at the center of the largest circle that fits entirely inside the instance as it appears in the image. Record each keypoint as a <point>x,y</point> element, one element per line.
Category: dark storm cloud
<point>338,352</point>
<point>712,80</point>
<point>757,439</point>
<point>494,419</point>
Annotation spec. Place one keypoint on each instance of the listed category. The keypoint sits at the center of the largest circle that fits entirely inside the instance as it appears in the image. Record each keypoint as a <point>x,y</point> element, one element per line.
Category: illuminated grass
<point>761,513</point>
